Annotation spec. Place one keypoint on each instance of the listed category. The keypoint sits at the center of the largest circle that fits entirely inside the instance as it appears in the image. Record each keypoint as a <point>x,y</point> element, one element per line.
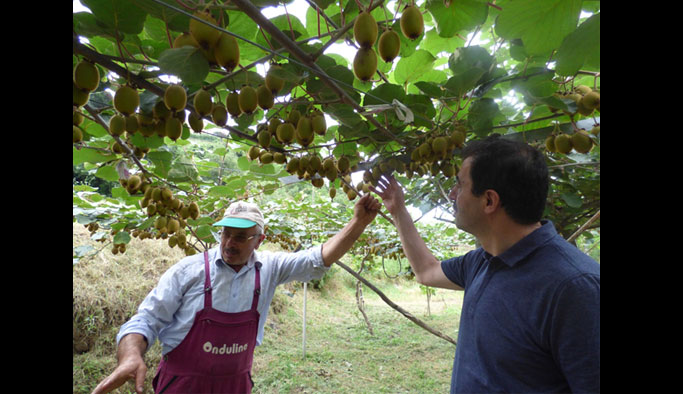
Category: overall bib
<point>217,353</point>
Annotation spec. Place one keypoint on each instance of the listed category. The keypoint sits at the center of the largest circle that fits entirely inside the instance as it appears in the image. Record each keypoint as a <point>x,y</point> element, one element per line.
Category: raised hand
<point>391,193</point>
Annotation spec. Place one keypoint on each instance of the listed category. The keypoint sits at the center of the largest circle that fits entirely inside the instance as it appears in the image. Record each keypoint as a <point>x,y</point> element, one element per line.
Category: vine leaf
<point>541,24</point>
<point>580,49</point>
<point>187,63</point>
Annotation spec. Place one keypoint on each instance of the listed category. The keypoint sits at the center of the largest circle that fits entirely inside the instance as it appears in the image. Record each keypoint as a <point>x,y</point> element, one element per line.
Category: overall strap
<point>257,285</point>
<point>207,281</point>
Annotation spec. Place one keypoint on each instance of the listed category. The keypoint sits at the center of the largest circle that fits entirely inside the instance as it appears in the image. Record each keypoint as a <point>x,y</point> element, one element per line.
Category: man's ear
<point>492,200</point>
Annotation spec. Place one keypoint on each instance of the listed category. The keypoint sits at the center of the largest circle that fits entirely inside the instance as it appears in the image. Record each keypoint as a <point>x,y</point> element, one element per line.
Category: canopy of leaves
<point>507,67</point>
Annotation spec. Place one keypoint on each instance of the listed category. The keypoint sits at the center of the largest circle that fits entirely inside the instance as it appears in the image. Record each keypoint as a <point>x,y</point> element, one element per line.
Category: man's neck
<point>505,236</point>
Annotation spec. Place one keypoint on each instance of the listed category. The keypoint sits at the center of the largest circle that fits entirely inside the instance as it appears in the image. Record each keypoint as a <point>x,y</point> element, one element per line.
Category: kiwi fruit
<point>563,143</point>
<point>247,99</point>
<point>591,100</point>
<point>81,96</point>
<point>389,45</point>
<point>304,131</point>
<point>117,125</point>
<point>233,105</point>
<point>254,152</point>
<point>264,97</point>
<point>293,116</point>
<point>219,115</point>
<point>264,137</point>
<point>266,157</point>
<point>439,144</point>
<point>175,98</point>
<point>343,164</point>
<point>86,76</point>
<point>550,143</point>
<point>285,132</point>
<point>581,142</point>
<point>185,39</point>
<point>78,134</point>
<point>279,158</point>
<point>365,30</point>
<point>132,124</point>
<point>126,100</point>
<point>174,128</point>
<point>318,123</point>
<point>205,35</point>
<point>273,82</point>
<point>365,64</point>
<point>412,23</point>
<point>202,102</point>
<point>227,52</point>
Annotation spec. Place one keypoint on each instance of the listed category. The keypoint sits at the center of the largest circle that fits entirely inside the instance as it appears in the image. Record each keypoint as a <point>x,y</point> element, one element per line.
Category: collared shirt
<point>168,311</point>
<point>530,320</point>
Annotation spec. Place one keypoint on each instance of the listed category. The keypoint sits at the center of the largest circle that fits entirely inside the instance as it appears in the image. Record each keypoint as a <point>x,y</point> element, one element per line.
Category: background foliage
<point>507,67</point>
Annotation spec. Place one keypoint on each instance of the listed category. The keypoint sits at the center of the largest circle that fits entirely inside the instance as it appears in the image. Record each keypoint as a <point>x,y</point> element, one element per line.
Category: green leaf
<point>107,173</point>
<point>122,15</point>
<point>122,237</point>
<point>162,162</point>
<point>187,63</point>
<point>410,69</point>
<point>481,114</point>
<point>572,199</point>
<point>459,15</point>
<point>85,155</point>
<point>541,24</point>
<point>580,48</point>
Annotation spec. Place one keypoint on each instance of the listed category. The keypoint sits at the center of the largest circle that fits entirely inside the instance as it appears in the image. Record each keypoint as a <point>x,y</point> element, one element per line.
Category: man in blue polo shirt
<point>530,319</point>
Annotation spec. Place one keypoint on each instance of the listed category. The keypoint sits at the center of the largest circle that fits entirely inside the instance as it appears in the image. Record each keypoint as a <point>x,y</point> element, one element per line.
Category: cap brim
<point>235,222</point>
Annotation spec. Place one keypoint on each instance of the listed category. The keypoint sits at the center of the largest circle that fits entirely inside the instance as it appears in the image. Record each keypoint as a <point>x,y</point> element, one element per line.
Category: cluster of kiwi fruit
<point>580,141</point>
<point>587,100</point>
<point>219,48</point>
<point>86,78</point>
<point>365,31</point>
<point>171,214</point>
<point>283,240</point>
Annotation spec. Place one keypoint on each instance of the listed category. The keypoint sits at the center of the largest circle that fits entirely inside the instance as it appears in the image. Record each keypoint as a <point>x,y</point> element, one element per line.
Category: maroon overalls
<point>217,353</point>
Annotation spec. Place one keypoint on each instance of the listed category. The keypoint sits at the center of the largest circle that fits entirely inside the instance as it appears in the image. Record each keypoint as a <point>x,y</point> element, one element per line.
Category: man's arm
<point>131,365</point>
<point>365,211</point>
<point>426,267</point>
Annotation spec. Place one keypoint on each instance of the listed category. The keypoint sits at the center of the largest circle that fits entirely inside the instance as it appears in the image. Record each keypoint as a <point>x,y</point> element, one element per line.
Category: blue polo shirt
<point>530,320</point>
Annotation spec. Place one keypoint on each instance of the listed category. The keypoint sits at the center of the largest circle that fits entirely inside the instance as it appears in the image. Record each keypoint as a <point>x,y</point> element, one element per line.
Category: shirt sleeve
<point>302,266</point>
<point>459,269</point>
<point>575,332</point>
<point>157,309</point>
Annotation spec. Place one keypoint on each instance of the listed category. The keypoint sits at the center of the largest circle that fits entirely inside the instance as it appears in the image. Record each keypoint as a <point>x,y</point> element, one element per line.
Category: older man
<point>209,310</point>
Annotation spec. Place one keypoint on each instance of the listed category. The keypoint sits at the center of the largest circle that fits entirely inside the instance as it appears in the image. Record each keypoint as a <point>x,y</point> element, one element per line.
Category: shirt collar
<point>526,245</point>
<point>253,260</point>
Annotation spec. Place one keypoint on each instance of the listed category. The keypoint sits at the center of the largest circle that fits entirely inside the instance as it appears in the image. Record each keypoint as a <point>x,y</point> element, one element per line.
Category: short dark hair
<point>515,170</point>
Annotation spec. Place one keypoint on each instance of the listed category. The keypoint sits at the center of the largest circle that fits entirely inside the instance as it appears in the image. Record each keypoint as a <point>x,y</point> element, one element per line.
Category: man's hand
<point>128,369</point>
<point>131,365</point>
<point>366,209</point>
<point>391,193</point>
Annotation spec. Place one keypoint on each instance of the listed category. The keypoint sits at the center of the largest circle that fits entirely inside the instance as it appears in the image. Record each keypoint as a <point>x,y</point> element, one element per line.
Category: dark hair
<point>515,170</point>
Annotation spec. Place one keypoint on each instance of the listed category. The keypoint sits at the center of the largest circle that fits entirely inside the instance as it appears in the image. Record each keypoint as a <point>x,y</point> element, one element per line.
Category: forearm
<point>418,254</point>
<point>334,248</point>
<point>132,345</point>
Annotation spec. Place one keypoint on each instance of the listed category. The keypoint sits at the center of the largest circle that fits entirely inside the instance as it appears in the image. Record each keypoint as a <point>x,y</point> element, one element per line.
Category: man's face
<point>467,206</point>
<point>237,244</point>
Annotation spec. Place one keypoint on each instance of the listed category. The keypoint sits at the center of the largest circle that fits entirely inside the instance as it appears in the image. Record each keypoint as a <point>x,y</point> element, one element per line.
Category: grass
<point>341,354</point>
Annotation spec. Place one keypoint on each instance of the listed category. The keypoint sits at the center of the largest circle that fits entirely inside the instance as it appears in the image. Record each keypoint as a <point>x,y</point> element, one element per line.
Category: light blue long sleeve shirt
<point>168,311</point>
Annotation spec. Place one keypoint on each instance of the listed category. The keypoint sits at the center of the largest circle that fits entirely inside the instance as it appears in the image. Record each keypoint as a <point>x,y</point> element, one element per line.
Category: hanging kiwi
<point>202,102</point>
<point>412,23</point>
<point>126,100</point>
<point>86,76</point>
<point>232,104</point>
<point>264,97</point>
<point>227,52</point>
<point>205,35</point>
<point>273,82</point>
<point>247,99</point>
<point>365,30</point>
<point>175,98</point>
<point>389,45</point>
<point>365,64</point>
